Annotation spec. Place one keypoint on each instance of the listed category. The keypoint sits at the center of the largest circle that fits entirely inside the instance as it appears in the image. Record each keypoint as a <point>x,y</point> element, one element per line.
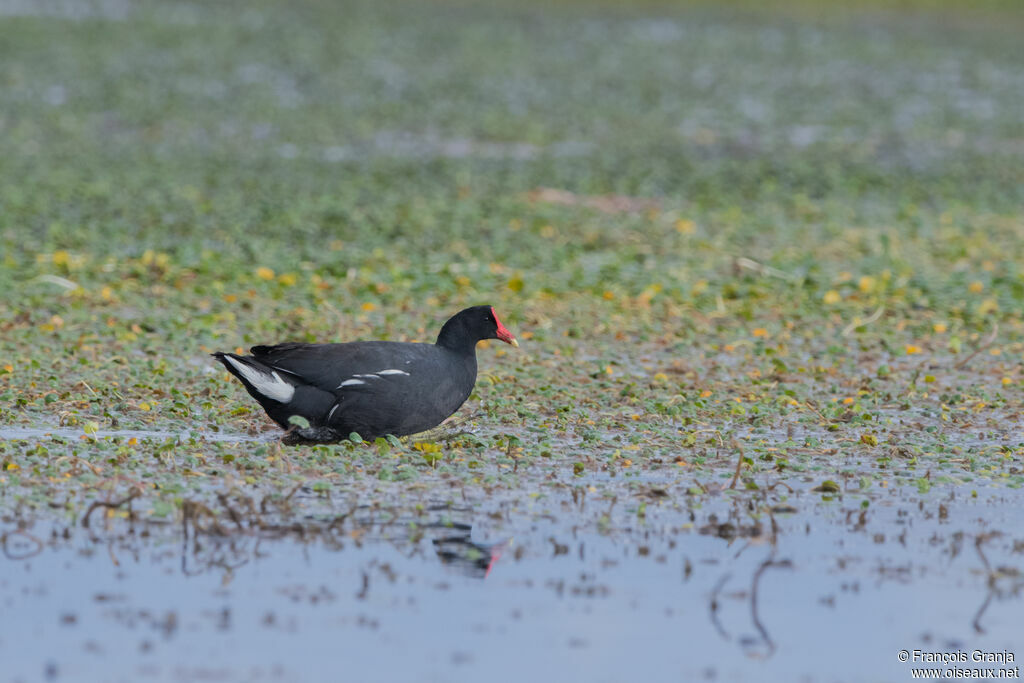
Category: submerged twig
<point>990,575</point>
<point>815,410</point>
<point>981,540</point>
<point>448,430</point>
<point>39,545</point>
<point>59,281</point>
<point>713,607</point>
<point>739,465</point>
<point>976,622</point>
<point>985,343</point>
<point>862,323</point>
<point>109,505</point>
<point>770,562</point>
<point>762,269</point>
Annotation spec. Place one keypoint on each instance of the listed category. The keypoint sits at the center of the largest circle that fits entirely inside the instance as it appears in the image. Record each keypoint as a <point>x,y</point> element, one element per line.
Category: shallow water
<point>35,433</point>
<point>507,588</point>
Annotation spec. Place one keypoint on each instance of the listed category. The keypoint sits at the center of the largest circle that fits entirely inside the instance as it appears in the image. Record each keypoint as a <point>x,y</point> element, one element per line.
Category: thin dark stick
<point>32,553</point>
<point>987,342</point>
<point>739,465</point>
<point>770,562</point>
<point>111,506</point>
<point>713,607</point>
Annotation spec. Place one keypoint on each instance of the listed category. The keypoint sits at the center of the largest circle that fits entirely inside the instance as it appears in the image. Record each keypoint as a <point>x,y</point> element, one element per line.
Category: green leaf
<point>299,421</point>
<point>162,508</point>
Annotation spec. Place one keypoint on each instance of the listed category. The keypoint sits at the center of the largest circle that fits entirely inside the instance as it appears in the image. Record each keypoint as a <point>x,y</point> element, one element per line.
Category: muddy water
<point>510,587</point>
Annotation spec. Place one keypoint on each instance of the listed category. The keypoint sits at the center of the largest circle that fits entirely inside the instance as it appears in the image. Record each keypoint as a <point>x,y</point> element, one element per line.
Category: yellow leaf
<point>976,287</point>
<point>866,284</point>
<point>987,306</point>
<point>8,368</point>
<point>144,406</point>
<point>515,284</point>
<point>660,377</point>
<point>760,332</point>
<point>1007,381</point>
<point>264,273</point>
<point>287,279</point>
<point>911,349</point>
<point>939,328</point>
<point>832,297</point>
<point>684,226</point>
<point>368,306</point>
<point>61,258</point>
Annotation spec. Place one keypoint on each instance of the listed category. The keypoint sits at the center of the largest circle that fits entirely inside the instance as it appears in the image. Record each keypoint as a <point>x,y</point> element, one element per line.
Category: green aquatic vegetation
<point>700,260</point>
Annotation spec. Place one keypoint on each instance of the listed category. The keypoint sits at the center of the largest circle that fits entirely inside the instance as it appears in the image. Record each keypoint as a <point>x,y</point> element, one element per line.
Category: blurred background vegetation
<point>178,177</point>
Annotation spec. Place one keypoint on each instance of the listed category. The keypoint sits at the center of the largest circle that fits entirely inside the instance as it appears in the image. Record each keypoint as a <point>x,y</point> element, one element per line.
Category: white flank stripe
<point>392,372</point>
<point>351,383</point>
<point>271,386</point>
<point>331,414</point>
<point>367,376</point>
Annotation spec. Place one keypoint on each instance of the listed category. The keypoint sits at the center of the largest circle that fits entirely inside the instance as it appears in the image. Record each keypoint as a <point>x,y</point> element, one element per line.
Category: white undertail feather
<point>351,383</point>
<point>269,384</point>
<point>392,372</point>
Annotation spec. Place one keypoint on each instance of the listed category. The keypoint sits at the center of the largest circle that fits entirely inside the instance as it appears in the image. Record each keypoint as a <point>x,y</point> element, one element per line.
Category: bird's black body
<point>370,388</point>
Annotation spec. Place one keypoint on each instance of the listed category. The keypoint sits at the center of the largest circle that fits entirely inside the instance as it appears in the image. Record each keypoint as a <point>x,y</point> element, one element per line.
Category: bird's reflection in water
<point>476,560</point>
<point>208,544</point>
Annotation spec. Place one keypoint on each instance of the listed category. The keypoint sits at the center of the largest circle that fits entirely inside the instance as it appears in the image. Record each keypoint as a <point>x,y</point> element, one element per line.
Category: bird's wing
<point>334,367</point>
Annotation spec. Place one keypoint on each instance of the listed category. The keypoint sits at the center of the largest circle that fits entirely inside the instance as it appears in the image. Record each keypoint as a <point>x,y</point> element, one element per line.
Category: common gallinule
<point>372,388</point>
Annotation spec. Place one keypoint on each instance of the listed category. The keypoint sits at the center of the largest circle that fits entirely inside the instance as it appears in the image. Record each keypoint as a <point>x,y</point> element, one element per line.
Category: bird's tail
<point>261,381</point>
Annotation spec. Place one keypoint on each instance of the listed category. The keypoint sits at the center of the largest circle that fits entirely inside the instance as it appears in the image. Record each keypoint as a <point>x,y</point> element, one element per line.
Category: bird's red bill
<point>503,334</point>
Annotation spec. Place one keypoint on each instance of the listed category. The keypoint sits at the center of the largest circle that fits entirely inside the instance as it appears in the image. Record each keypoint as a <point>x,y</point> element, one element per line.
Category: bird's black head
<point>464,329</point>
